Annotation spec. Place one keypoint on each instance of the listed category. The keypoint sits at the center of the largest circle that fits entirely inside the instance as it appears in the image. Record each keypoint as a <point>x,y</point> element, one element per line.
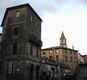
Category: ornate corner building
<point>62,54</point>
<point>21,43</point>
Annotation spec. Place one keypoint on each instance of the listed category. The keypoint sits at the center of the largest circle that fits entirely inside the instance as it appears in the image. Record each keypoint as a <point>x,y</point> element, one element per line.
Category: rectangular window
<point>31,18</point>
<point>14,48</point>
<point>9,67</point>
<point>36,23</point>
<point>15,31</point>
<point>37,52</point>
<point>44,57</point>
<point>70,52</point>
<point>75,53</point>
<point>57,51</point>
<point>31,50</point>
<point>57,57</point>
<point>65,58</point>
<point>17,14</point>
<point>71,58</point>
<point>50,57</point>
<point>75,59</point>
<point>44,53</point>
<point>50,51</point>
<point>65,51</point>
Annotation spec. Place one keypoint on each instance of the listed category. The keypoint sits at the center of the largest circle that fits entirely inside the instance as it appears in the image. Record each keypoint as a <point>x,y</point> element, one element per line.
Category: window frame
<point>14,48</point>
<point>17,13</point>
<point>15,31</point>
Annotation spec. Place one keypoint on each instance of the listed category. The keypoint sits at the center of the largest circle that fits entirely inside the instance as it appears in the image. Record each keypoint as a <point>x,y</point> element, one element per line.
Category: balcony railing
<point>35,40</point>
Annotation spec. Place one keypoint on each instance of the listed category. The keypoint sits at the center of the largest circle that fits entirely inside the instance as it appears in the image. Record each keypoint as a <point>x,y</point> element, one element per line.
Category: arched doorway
<point>31,72</point>
<point>37,72</point>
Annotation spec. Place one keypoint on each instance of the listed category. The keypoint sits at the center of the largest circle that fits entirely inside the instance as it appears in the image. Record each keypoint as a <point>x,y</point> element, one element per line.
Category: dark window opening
<point>50,57</point>
<point>65,58</point>
<point>31,50</point>
<point>71,58</point>
<point>31,72</point>
<point>14,48</point>
<point>44,53</point>
<point>15,31</point>
<point>57,58</point>
<point>71,52</point>
<point>37,52</point>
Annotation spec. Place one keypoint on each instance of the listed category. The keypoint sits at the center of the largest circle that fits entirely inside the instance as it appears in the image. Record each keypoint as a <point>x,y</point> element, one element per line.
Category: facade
<point>21,43</point>
<point>62,54</point>
<point>85,58</point>
<point>80,59</point>
<point>0,57</point>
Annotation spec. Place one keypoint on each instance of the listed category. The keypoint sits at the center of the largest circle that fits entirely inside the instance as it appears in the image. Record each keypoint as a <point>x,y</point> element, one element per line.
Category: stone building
<point>85,58</point>
<point>0,57</point>
<point>62,54</point>
<point>80,58</point>
<point>21,43</point>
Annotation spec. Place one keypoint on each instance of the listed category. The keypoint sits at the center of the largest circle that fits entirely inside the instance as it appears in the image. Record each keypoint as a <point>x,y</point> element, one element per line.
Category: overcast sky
<point>69,16</point>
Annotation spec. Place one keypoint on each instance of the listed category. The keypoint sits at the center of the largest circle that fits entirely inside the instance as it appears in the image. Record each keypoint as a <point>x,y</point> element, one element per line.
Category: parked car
<point>69,74</point>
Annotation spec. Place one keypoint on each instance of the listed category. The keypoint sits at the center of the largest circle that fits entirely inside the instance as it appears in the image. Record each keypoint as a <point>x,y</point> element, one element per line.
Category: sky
<point>69,16</point>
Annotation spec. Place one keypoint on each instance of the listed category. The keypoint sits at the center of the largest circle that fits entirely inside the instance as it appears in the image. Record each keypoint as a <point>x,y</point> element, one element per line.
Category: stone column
<point>59,72</point>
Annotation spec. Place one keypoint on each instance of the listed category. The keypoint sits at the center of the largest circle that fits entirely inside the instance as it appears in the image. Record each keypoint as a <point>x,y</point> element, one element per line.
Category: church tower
<point>63,40</point>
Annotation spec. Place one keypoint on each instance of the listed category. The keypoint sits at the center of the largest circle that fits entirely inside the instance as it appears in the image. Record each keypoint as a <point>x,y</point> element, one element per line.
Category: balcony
<point>35,40</point>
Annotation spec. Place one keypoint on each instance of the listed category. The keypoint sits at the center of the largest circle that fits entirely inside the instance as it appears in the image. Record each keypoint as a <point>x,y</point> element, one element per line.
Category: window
<point>57,51</point>
<point>71,58</point>
<point>75,53</point>
<point>71,52</point>
<point>44,53</point>
<point>65,58</point>
<point>50,57</point>
<point>36,23</point>
<point>65,51</point>
<point>50,51</point>
<point>37,52</point>
<point>14,48</point>
<point>31,18</point>
<point>75,59</point>
<point>44,57</point>
<point>15,31</point>
<point>17,14</point>
<point>10,67</point>
<point>68,51</point>
<point>31,50</point>
<point>57,57</point>
<point>34,51</point>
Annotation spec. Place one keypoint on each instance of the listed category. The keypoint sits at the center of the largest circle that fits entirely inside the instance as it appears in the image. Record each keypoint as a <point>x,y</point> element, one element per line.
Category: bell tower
<point>63,40</point>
